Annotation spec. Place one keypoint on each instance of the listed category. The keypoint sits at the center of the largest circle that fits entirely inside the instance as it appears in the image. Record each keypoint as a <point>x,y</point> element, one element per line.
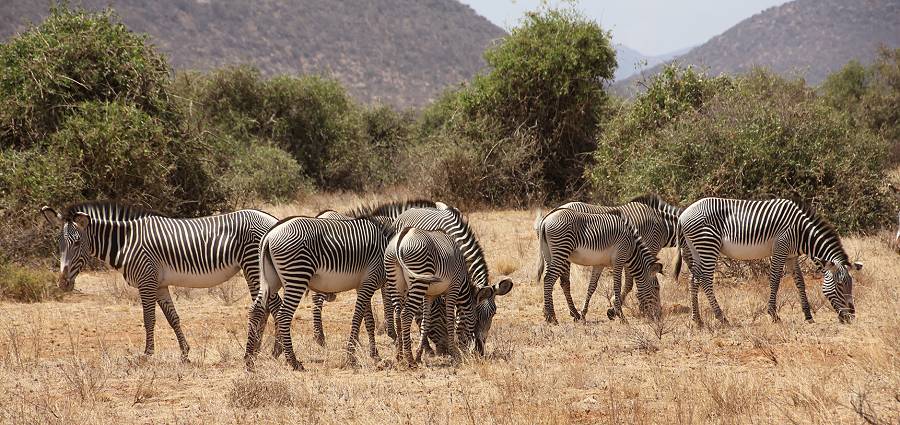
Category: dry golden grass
<point>76,360</point>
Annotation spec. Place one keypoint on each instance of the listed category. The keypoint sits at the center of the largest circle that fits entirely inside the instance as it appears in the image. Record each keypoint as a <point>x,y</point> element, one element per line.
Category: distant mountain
<point>632,61</point>
<point>810,38</point>
<point>400,52</point>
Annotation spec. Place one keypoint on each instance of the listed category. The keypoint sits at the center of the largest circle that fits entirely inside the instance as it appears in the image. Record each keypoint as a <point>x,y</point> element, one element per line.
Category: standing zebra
<point>154,252</point>
<point>751,230</point>
<point>426,264</point>
<point>326,256</point>
<point>655,221</point>
<point>451,222</point>
<point>567,236</point>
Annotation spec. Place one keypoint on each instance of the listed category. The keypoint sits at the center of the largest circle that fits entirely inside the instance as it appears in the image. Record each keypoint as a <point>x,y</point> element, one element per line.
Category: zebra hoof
<point>611,313</point>
<point>810,320</point>
<point>320,341</point>
<point>577,316</point>
<point>296,365</point>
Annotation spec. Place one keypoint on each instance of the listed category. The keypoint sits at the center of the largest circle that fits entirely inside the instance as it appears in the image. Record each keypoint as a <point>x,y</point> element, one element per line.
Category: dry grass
<point>76,360</point>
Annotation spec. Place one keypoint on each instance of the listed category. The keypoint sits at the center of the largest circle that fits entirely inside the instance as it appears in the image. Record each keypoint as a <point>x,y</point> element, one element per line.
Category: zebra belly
<point>170,277</point>
<point>591,257</point>
<point>744,251</point>
<point>331,282</point>
<point>438,288</point>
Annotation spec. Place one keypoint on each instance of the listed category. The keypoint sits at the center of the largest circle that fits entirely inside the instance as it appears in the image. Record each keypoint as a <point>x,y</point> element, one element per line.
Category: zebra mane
<point>109,211</point>
<point>822,225</point>
<point>653,200</point>
<point>464,224</point>
<point>390,209</point>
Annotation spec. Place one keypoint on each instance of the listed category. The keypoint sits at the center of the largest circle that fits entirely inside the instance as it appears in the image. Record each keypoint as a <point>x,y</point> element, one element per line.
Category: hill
<point>400,52</point>
<point>810,38</point>
<point>632,61</point>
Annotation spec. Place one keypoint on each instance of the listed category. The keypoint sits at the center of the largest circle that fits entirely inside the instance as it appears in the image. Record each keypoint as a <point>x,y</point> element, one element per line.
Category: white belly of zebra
<point>743,251</point>
<point>590,257</point>
<point>331,282</point>
<point>438,288</point>
<point>171,277</point>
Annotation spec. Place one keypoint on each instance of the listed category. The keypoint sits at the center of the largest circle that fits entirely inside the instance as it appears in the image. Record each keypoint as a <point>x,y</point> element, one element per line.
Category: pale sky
<point>652,27</point>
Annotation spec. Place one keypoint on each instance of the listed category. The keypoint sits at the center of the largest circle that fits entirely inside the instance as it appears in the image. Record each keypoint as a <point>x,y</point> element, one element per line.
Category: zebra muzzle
<point>63,282</point>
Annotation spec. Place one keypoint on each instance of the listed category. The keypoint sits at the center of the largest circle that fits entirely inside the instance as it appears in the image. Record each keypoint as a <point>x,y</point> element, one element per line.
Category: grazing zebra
<point>567,236</point>
<point>326,256</point>
<point>655,222</point>
<point>425,265</point>
<point>154,252</point>
<point>750,230</point>
<point>451,222</point>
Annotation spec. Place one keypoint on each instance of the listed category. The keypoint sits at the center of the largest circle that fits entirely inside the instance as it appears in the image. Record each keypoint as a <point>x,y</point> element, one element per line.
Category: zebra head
<point>486,308</point>
<point>73,244</point>
<point>837,286</point>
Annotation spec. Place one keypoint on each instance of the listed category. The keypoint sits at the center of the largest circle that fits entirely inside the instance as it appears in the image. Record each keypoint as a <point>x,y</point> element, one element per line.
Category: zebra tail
<point>679,242</point>
<point>543,254</point>
<point>269,277</point>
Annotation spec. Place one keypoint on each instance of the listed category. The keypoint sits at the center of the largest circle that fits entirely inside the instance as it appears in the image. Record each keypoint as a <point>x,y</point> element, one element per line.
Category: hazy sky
<point>652,27</point>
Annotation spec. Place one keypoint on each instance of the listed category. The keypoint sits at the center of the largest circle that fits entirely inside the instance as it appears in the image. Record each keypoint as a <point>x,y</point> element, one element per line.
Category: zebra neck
<point>820,242</point>
<point>108,241</point>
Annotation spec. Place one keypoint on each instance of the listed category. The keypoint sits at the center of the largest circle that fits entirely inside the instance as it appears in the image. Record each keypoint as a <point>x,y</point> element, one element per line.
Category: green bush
<point>257,172</point>
<point>751,137</point>
<point>530,121</point>
<point>72,57</point>
<point>24,284</point>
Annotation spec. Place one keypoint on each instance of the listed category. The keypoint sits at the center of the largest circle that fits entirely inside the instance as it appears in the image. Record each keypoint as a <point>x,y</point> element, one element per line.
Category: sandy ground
<point>77,360</point>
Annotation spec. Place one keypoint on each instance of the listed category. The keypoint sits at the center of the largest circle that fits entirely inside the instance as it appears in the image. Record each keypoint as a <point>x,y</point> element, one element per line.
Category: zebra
<point>154,252</point>
<point>655,222</point>
<point>748,230</point>
<point>451,221</point>
<point>426,264</point>
<point>567,236</point>
<point>326,256</point>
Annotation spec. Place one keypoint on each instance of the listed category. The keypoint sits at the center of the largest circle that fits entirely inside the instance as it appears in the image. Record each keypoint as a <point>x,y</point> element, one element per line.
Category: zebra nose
<point>852,309</point>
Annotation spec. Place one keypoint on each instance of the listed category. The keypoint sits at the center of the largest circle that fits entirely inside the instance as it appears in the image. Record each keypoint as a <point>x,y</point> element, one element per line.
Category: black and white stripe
<point>451,222</point>
<point>567,236</point>
<point>154,252</point>
<point>655,222</point>
<point>326,256</point>
<point>779,228</point>
<point>424,265</point>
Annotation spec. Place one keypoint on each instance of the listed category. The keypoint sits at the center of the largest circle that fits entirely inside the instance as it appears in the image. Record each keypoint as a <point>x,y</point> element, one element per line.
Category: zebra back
<point>391,209</point>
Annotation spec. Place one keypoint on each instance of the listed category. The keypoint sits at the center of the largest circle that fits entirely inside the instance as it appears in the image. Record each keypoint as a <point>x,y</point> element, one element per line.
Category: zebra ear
<point>484,293</point>
<point>51,216</point>
<point>856,265</point>
<point>504,286</point>
<point>81,220</point>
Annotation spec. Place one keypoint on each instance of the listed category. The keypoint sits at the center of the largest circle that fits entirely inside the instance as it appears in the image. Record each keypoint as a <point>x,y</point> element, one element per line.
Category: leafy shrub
<point>72,57</point>
<point>752,137</point>
<point>530,121</point>
<point>870,96</point>
<point>260,172</point>
<point>24,284</point>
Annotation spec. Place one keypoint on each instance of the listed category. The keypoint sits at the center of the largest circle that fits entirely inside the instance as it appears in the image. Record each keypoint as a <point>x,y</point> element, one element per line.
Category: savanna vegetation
<point>91,110</point>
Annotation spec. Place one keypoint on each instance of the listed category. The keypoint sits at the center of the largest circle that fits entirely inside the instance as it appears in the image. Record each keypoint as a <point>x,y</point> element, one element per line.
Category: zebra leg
<point>256,324</point>
<point>370,330</point>
<point>250,267</point>
<point>453,340</point>
<point>775,275</point>
<point>629,285</point>
<point>695,303</point>
<point>592,287</point>
<point>273,304</point>
<point>424,328</point>
<point>554,270</point>
<point>388,314</point>
<point>706,281</point>
<point>566,285</point>
<point>414,299</point>
<point>318,302</point>
<point>616,309</point>
<point>164,299</point>
<point>363,304</point>
<point>801,288</point>
<point>294,290</point>
<point>147,292</point>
